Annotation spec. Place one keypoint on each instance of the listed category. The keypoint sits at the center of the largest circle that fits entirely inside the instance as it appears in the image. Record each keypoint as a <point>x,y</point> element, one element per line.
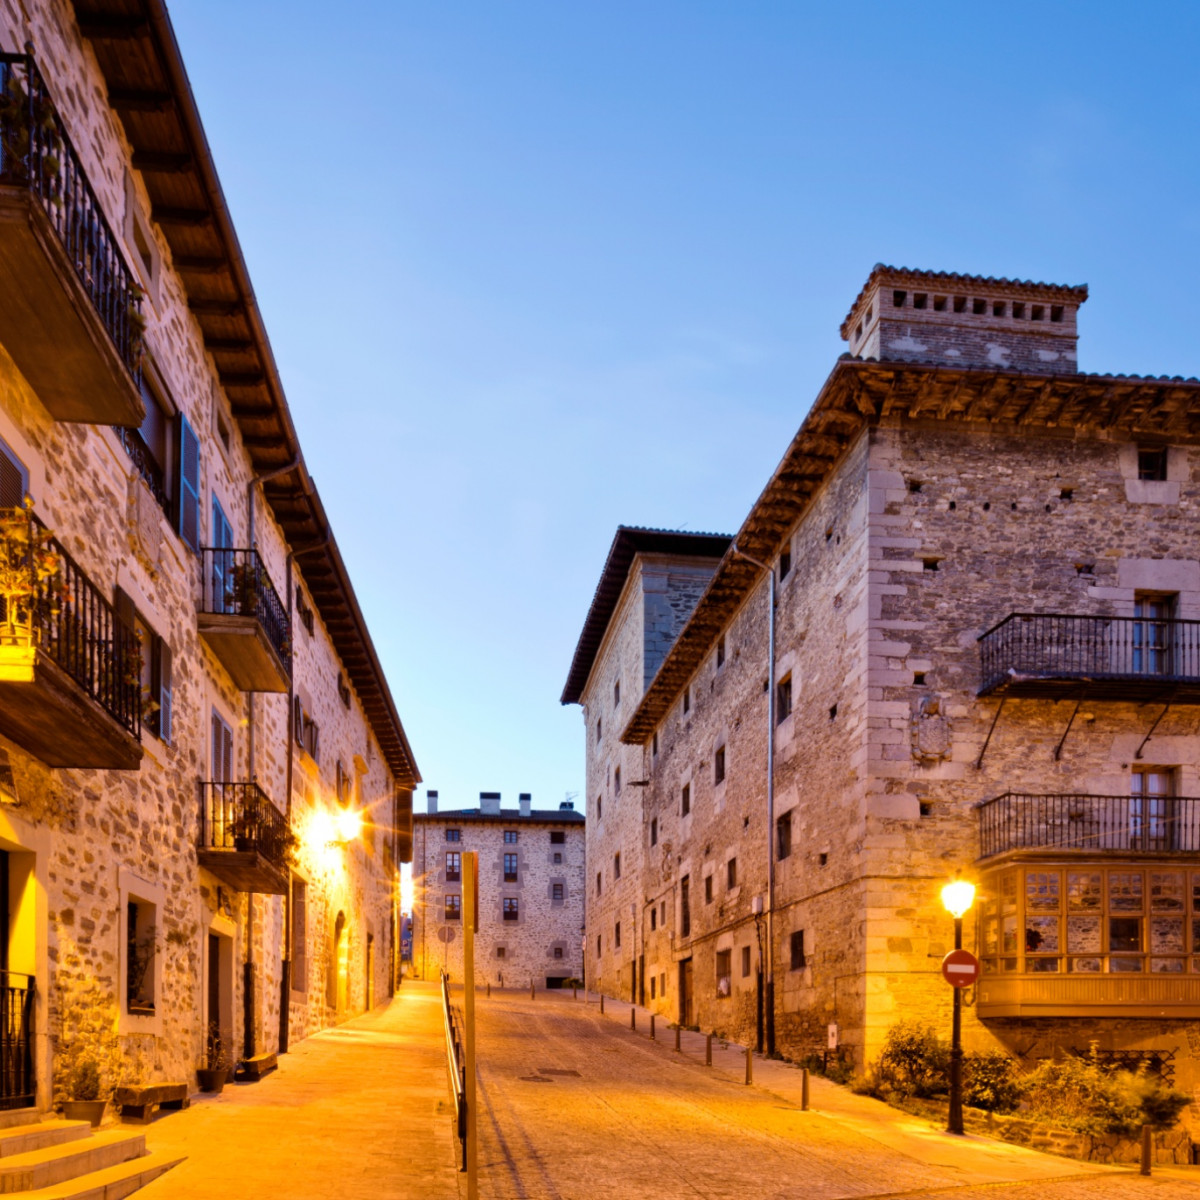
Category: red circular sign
<point>960,968</point>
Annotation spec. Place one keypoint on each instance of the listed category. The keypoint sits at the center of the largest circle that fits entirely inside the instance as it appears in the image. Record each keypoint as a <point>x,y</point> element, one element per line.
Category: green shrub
<point>85,1080</point>
<point>991,1081</point>
<point>914,1061</point>
<point>1158,1102</point>
<point>1080,1094</point>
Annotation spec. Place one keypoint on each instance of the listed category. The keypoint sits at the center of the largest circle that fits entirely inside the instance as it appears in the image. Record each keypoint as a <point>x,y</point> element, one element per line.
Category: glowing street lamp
<point>957,898</point>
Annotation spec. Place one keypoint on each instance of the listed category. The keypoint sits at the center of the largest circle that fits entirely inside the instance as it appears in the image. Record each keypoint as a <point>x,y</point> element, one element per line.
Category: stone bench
<point>137,1104</point>
<point>255,1068</point>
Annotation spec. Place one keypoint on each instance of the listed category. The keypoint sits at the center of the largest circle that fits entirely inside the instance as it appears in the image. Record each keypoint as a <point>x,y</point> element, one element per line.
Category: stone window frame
<point>454,868</point>
<point>132,889</point>
<point>558,886</point>
<point>510,909</point>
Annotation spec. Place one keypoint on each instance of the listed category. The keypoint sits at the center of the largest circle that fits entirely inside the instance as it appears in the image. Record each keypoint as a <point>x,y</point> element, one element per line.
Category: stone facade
<point>531,893</point>
<point>917,525</point>
<point>105,879</point>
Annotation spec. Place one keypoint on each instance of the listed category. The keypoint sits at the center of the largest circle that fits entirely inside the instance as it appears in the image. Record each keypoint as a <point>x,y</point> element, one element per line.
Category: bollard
<point>708,1051</point>
<point>1147,1148</point>
<point>574,991</point>
<point>602,1004</point>
<point>652,1027</point>
<point>633,1019</point>
<point>676,1037</point>
<point>803,1089</point>
<point>749,1066</point>
<point>532,993</point>
<point>489,987</point>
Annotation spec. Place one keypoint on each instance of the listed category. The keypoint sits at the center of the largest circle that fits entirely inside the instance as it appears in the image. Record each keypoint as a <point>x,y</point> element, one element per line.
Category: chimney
<point>526,801</point>
<point>954,320</point>
<point>489,804</point>
<point>431,801</point>
<point>567,806</point>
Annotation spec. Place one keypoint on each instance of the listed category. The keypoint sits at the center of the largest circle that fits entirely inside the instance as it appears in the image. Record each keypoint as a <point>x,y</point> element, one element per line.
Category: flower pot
<point>85,1110</point>
<point>212,1081</point>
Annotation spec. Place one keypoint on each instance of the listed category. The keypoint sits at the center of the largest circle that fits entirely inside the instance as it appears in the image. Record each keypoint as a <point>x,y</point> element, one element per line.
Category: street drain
<point>535,1079</point>
<point>557,1071</point>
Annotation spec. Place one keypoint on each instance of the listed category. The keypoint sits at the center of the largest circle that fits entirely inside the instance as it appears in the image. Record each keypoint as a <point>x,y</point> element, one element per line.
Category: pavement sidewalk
<point>359,1111</point>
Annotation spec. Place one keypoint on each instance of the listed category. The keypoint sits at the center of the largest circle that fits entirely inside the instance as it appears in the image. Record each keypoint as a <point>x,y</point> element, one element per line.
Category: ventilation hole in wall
<point>833,712</point>
<point>1047,508</point>
<point>960,304</point>
<point>1066,494</point>
<point>987,506</point>
<point>926,807</point>
<point>858,331</point>
<point>1085,568</point>
<point>898,299</point>
<point>1056,312</point>
<point>764,685</point>
<point>1037,312</point>
<point>952,505</point>
<point>1018,310</point>
<point>1013,506</point>
<point>930,564</point>
<point>914,485</point>
<point>822,859</point>
<point>829,533</point>
<point>919,678</point>
<point>867,318</point>
<point>920,299</point>
<point>998,308</point>
<point>939,304</point>
<point>979,307</point>
<point>745,822</point>
<point>838,540</point>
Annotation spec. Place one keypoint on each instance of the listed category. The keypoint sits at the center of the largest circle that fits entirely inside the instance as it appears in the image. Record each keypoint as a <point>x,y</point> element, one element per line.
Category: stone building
<point>986,659</point>
<point>205,787</point>
<point>531,893</point>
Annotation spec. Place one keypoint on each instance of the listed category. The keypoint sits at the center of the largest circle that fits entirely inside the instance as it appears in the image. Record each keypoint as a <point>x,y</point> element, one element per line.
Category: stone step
<point>112,1183</point>
<point>57,1164</point>
<point>20,1139</point>
<point>11,1117</point>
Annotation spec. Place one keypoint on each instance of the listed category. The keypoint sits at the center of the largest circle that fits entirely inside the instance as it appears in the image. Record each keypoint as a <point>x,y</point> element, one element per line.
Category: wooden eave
<point>863,392</point>
<point>148,88</point>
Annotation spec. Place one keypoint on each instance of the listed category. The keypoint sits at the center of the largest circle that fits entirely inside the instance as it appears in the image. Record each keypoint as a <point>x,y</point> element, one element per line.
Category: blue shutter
<point>188,497</point>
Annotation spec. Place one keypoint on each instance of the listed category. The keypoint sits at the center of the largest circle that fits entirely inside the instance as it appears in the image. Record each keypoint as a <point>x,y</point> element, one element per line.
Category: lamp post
<point>957,898</point>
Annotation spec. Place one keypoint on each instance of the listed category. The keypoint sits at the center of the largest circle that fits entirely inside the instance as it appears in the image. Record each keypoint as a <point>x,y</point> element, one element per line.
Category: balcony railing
<point>244,838</point>
<point>237,590</point>
<point>1052,654</point>
<point>1097,824</point>
<point>145,465</point>
<point>49,606</point>
<point>35,152</point>
<point>18,1087</point>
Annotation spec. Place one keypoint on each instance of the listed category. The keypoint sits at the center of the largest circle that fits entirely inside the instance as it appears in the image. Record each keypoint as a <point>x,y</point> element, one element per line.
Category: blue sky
<point>533,270</point>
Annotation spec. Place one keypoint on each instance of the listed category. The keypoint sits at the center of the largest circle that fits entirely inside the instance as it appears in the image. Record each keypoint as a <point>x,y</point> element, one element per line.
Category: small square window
<point>558,952</point>
<point>557,837</point>
<point>557,891</point>
<point>510,837</point>
<point>454,835</point>
<point>1152,462</point>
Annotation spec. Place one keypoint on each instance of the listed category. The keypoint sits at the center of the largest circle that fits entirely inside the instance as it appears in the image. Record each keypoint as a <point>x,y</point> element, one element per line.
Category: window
<point>225,596</point>
<point>708,889</point>
<point>685,911</point>
<point>783,699</point>
<point>745,962</point>
<point>453,866</point>
<point>785,561</point>
<point>1152,462</point>
<point>344,784</point>
<point>501,951</point>
<point>598,951</point>
<point>654,745</point>
<point>558,952</point>
<point>187,490</point>
<point>222,750</point>
<point>798,959</point>
<point>1151,633</point>
<point>141,949</point>
<point>343,690</point>
<point>155,668</point>
<point>720,652</point>
<point>14,479</point>
<point>617,936</point>
<point>617,865</point>
<point>557,892</point>
<point>599,728</point>
<point>654,831</point>
<point>510,868</point>
<point>719,765</point>
<point>598,883</point>
<point>617,782</point>
<point>724,973</point>
<point>557,837</point>
<point>653,918</point>
<point>305,730</point>
<point>617,694</point>
<point>304,612</point>
<point>512,910</point>
<point>731,873</point>
<point>510,837</point>
<point>299,935</point>
<point>1152,816</point>
<point>685,804</point>
<point>783,836</point>
<point>453,908</point>
<point>557,857</point>
<point>454,835</point>
<point>653,981</point>
<point>599,807</point>
<point>687,700</point>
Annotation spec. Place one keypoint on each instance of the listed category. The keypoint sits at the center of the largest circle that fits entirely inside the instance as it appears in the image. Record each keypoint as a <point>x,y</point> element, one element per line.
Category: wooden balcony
<point>70,687</point>
<point>1129,994</point>
<point>71,317</point>
<point>1056,656</point>
<point>243,621</point>
<point>244,838</point>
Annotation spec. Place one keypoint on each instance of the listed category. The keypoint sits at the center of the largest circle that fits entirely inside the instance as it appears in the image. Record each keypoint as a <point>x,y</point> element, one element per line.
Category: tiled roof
<point>951,279</point>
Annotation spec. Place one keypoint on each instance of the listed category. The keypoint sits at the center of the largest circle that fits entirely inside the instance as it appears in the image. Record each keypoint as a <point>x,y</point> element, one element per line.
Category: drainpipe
<point>769,999</point>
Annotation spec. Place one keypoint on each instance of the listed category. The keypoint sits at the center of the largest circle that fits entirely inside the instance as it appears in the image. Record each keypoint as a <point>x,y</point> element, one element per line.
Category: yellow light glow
<point>349,825</point>
<point>407,892</point>
<point>958,896</point>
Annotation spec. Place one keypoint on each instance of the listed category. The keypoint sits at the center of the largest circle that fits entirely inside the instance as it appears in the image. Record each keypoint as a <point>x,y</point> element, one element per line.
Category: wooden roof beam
<point>112,26</point>
<point>140,100</point>
<point>162,162</point>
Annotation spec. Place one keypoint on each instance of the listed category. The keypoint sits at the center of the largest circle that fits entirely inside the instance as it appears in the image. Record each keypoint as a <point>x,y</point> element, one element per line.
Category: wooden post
<point>1147,1148</point>
<point>470,865</point>
<point>532,993</point>
<point>602,1004</point>
<point>633,1018</point>
<point>652,1027</point>
<point>749,1065</point>
<point>803,1089</point>
<point>574,991</point>
<point>708,1051</point>
<point>676,1037</point>
<point>489,989</point>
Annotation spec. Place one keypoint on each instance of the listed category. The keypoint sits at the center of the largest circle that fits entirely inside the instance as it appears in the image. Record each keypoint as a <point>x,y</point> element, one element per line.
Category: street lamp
<point>957,898</point>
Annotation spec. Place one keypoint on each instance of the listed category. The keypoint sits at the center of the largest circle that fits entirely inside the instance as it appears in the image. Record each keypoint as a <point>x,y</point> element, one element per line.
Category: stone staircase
<point>53,1159</point>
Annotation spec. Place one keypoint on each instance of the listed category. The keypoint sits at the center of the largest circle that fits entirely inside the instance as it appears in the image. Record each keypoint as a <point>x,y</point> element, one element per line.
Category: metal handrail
<point>241,816</point>
<point>456,1066</point>
<point>18,1087</point>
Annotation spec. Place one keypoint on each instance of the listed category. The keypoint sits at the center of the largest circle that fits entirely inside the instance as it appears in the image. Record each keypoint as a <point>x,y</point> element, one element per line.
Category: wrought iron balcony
<point>243,620</point>
<point>244,838</point>
<point>1054,656</point>
<point>18,1085</point>
<point>71,317</point>
<point>70,668</point>
<point>1158,825</point>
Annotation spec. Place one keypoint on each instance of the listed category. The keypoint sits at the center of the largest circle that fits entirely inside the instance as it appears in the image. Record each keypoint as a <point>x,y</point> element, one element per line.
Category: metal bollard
<point>708,1051</point>
<point>1147,1148</point>
<point>749,1066</point>
<point>574,991</point>
<point>652,1027</point>
<point>676,1037</point>
<point>532,993</point>
<point>803,1089</point>
<point>602,1004</point>
<point>489,987</point>
<point>633,1019</point>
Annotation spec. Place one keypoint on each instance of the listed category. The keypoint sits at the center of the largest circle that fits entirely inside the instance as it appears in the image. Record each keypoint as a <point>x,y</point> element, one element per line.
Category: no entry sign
<point>960,968</point>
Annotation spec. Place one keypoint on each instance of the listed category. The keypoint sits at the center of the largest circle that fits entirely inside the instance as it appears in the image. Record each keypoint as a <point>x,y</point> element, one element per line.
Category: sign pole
<point>955,1122</point>
<point>470,924</point>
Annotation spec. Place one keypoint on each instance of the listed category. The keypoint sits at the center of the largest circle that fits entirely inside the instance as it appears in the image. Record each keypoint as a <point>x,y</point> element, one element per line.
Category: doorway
<point>218,990</point>
<point>369,990</point>
<point>686,990</point>
<point>341,964</point>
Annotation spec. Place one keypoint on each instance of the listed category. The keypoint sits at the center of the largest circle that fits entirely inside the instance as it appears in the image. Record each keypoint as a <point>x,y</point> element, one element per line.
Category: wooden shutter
<point>14,479</point>
<point>161,686</point>
<point>188,495</point>
<point>299,936</point>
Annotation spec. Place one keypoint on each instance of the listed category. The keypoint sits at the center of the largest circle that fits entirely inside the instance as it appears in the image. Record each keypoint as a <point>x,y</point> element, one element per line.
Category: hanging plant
<point>28,565</point>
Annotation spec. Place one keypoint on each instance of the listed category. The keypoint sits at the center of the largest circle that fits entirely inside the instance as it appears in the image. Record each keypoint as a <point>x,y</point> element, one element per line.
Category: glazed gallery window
<point>1091,919</point>
<point>453,866</point>
<point>453,908</point>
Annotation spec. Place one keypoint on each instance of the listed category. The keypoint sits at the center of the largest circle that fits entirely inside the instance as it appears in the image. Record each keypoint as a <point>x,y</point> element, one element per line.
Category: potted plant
<point>213,1075</point>
<point>83,1086</point>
